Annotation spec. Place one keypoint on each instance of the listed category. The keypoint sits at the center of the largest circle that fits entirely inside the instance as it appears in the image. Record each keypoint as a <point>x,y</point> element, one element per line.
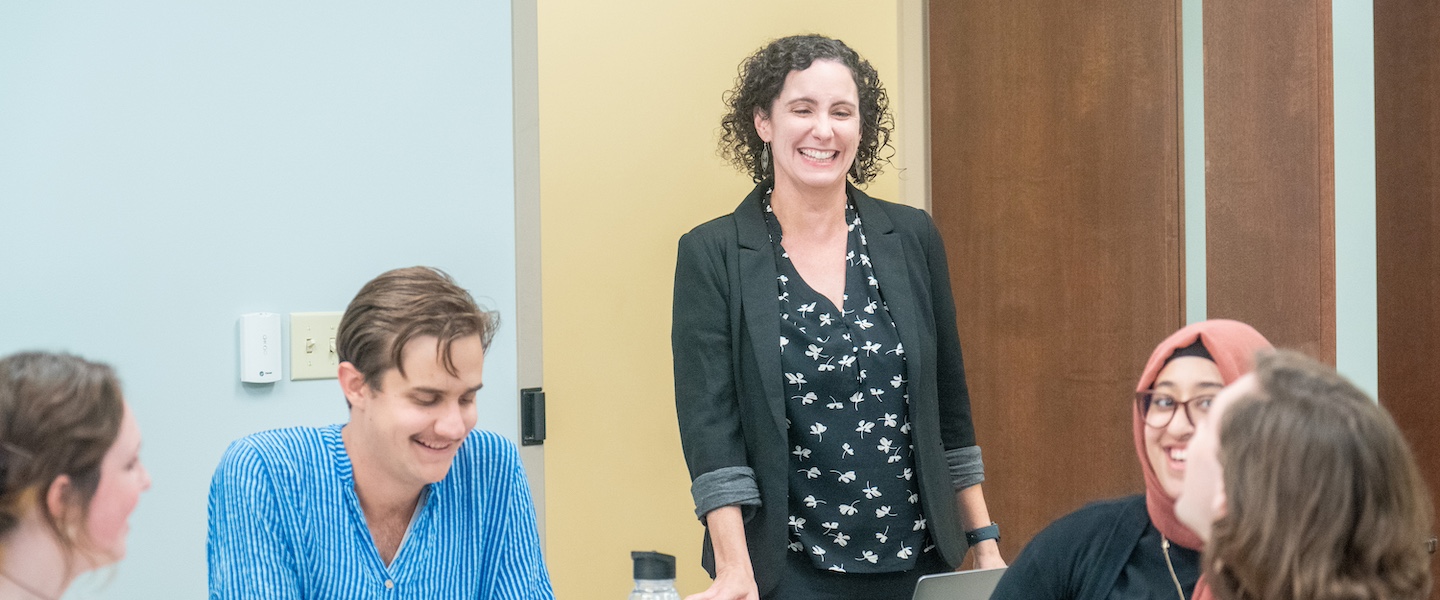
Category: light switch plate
<point>312,345</point>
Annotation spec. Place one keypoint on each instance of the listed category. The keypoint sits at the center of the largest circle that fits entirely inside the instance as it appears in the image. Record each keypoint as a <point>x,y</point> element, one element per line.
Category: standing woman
<point>70,472</point>
<point>818,377</point>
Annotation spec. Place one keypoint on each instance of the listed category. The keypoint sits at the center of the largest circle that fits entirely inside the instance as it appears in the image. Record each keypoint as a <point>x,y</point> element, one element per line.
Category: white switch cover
<point>312,345</point>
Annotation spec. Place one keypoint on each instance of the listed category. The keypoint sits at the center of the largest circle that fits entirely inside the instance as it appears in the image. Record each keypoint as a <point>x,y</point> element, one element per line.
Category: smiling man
<point>407,500</point>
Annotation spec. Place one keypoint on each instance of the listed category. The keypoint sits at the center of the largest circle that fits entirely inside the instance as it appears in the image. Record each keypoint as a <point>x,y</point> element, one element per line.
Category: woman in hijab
<point>1135,547</point>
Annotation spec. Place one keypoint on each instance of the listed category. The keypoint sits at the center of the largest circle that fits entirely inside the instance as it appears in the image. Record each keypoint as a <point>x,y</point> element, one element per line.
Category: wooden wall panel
<point>1407,207</point>
<point>1269,181</point>
<point>1055,154</point>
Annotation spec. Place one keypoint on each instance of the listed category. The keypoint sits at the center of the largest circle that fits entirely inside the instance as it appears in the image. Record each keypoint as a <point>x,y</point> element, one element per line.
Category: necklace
<point>1165,546</point>
<point>27,588</point>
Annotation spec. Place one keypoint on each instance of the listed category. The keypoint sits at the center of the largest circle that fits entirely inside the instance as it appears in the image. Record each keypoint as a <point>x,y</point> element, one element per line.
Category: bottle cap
<point>653,565</point>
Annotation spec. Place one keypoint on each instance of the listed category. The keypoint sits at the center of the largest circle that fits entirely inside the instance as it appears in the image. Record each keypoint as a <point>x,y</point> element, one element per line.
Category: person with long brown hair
<point>1305,489</point>
<point>70,472</point>
<point>1135,547</point>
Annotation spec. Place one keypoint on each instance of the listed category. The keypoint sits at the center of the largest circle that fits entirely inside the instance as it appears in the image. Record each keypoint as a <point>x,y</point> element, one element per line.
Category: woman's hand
<point>734,575</point>
<point>987,555</point>
<point>730,584</point>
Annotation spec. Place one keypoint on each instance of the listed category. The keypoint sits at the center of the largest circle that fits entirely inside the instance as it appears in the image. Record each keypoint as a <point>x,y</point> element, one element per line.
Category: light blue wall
<point>1192,53</point>
<point>161,161</point>
<point>1357,321</point>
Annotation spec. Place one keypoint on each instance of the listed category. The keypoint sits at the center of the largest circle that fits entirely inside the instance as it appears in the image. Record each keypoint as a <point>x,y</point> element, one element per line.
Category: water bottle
<point>654,576</point>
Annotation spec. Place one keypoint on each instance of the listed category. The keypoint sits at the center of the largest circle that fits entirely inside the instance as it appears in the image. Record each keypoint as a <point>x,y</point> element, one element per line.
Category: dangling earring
<point>765,160</point>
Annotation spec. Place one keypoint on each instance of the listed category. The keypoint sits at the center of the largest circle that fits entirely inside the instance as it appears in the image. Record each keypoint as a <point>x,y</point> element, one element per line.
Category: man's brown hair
<point>1324,499</point>
<point>404,304</point>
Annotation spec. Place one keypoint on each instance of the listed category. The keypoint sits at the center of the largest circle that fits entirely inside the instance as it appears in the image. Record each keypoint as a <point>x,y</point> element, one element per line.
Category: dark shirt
<point>854,500</point>
<point>1107,550</point>
<point>1147,576</point>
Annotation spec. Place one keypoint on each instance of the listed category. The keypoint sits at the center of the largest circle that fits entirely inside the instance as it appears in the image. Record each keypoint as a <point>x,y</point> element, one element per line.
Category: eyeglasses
<point>1159,408</point>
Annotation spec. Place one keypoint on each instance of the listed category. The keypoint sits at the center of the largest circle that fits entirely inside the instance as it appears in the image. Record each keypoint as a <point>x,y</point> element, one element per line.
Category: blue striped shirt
<point>285,522</point>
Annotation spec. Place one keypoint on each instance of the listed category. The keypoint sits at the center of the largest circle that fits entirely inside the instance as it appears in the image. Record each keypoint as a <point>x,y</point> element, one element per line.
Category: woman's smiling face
<point>1184,378</point>
<point>813,128</point>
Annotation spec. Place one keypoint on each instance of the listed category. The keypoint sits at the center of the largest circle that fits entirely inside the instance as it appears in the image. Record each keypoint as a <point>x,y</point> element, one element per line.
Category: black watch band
<point>988,532</point>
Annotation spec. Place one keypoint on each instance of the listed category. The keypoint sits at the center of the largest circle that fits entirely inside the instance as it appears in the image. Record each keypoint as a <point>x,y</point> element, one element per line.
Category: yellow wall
<point>629,109</point>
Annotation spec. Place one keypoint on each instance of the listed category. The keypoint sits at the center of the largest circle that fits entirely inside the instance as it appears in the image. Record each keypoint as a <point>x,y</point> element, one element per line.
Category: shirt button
<point>389,585</point>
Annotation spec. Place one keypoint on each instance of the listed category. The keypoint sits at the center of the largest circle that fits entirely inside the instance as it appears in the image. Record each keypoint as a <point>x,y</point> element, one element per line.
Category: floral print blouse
<point>854,499</point>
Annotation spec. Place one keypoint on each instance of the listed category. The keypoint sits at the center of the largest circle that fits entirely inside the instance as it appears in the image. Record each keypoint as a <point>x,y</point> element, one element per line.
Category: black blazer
<point>725,341</point>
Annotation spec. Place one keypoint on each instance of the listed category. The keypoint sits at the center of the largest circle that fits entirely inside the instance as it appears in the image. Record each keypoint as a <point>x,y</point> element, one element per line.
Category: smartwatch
<point>988,532</point>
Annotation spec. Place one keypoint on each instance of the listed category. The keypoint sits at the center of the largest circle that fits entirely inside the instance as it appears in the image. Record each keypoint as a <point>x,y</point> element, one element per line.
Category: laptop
<point>960,585</point>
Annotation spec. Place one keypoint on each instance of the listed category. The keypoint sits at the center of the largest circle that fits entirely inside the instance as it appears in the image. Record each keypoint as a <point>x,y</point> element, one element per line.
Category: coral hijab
<point>1232,345</point>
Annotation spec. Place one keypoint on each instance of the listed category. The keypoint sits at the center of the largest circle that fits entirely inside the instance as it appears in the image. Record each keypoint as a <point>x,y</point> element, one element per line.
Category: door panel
<point>1056,181</point>
<point>1407,207</point>
<point>1270,170</point>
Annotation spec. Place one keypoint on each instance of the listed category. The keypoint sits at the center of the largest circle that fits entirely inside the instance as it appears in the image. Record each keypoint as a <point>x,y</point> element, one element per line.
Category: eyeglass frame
<point>1142,401</point>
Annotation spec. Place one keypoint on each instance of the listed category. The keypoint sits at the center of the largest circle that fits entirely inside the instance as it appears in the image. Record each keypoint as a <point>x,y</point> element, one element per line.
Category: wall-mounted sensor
<point>260,347</point>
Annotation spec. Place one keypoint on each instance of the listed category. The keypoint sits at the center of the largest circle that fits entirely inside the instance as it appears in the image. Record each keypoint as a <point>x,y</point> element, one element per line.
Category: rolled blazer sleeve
<point>706,401</point>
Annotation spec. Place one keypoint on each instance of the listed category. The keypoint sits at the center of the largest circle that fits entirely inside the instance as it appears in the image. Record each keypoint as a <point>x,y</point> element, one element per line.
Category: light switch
<point>312,345</point>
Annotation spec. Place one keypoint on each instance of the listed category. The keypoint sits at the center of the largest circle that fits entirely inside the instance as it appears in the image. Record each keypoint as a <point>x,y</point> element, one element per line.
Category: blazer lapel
<point>892,270</point>
<point>759,299</point>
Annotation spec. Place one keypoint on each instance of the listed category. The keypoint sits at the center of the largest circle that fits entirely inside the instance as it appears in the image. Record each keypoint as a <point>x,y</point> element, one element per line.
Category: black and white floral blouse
<point>854,498</point>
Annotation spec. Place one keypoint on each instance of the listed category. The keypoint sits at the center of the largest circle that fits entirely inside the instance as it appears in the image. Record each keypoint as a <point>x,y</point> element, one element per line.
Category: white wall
<point>162,161</point>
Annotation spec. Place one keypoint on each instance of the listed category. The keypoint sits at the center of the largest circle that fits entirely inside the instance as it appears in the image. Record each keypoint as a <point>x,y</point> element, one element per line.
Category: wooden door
<point>1407,207</point>
<point>1270,170</point>
<point>1056,183</point>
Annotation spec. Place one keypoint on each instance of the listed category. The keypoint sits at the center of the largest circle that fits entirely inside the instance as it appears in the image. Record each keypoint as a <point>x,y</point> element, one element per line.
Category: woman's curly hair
<point>759,82</point>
